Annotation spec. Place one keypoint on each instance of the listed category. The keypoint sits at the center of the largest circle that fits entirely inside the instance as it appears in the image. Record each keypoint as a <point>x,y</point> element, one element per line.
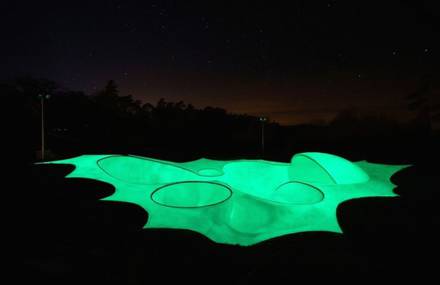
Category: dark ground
<point>65,235</point>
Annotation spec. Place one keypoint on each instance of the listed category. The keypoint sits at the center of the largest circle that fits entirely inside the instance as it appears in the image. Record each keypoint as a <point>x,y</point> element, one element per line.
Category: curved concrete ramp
<point>324,168</point>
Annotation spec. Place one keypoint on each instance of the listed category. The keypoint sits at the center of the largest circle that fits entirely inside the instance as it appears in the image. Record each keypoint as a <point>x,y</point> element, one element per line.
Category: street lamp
<point>263,121</point>
<point>42,98</point>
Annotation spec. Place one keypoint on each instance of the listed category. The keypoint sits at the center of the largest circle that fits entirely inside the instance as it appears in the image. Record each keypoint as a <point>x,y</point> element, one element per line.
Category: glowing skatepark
<point>239,202</point>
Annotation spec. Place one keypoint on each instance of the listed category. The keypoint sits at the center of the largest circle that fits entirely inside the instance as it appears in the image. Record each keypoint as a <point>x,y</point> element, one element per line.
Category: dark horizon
<point>302,112</point>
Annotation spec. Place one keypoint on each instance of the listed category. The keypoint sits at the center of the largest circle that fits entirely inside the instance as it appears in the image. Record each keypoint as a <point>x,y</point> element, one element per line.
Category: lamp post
<point>263,121</point>
<point>42,98</point>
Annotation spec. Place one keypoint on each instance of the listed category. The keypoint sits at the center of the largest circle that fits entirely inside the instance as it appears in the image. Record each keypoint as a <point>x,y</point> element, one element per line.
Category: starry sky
<point>293,61</point>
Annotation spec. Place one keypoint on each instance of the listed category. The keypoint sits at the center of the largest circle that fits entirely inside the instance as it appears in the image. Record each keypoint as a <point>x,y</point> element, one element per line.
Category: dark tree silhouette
<point>108,122</point>
<point>421,101</point>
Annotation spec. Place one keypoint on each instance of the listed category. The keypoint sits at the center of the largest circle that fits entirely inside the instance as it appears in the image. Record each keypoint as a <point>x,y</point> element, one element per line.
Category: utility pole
<point>263,121</point>
<point>42,98</point>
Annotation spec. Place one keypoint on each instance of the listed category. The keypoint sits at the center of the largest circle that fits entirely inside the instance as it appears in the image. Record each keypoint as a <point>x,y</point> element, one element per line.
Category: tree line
<point>108,122</point>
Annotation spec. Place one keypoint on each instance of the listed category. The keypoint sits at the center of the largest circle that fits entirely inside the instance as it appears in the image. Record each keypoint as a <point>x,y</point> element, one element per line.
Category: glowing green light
<point>243,201</point>
<point>191,194</point>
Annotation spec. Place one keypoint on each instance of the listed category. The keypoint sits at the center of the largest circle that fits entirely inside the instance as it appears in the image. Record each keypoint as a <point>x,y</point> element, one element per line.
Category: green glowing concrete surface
<point>242,201</point>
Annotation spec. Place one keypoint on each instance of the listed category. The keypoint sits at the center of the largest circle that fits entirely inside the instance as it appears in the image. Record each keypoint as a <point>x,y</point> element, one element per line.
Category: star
<point>163,12</point>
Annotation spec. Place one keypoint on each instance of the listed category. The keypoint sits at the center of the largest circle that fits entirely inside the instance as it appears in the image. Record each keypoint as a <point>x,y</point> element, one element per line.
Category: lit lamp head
<point>262,119</point>
<point>43,96</point>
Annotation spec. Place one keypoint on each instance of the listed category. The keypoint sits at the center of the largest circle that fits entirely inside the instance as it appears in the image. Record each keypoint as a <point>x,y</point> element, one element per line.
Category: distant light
<point>44,96</point>
<point>426,50</point>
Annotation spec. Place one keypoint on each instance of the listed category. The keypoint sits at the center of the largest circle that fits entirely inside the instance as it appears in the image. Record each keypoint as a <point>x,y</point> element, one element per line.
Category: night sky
<point>297,62</point>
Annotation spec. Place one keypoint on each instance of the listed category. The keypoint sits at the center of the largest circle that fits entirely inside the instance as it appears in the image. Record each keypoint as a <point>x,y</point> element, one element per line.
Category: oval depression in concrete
<point>191,194</point>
